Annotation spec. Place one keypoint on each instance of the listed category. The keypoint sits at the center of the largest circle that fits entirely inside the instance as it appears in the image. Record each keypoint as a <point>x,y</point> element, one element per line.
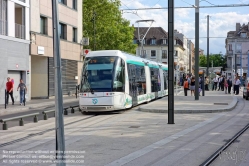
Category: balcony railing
<point>230,52</point>
<point>3,27</point>
<point>22,1</point>
<point>19,31</point>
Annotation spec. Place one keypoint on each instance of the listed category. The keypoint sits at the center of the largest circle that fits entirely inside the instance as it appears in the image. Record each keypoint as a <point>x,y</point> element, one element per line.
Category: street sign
<point>86,51</point>
<point>85,41</point>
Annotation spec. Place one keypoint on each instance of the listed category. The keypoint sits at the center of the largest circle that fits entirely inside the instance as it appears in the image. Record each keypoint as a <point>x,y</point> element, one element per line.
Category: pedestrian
<point>236,85</point>
<point>215,80</point>
<point>9,89</point>
<point>225,85</point>
<point>186,86</point>
<point>206,83</point>
<point>192,86</point>
<point>23,90</point>
<point>230,84</point>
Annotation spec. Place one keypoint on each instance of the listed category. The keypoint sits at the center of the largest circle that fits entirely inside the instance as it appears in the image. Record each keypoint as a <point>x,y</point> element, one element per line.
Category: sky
<point>221,21</point>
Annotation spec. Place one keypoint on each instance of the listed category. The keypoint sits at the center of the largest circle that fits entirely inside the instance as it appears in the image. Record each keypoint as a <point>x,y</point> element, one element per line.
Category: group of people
<point>219,83</point>
<point>10,88</point>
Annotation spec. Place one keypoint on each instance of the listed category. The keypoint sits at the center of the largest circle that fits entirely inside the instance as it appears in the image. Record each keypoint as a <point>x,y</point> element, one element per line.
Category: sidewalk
<point>33,104</point>
<point>213,101</point>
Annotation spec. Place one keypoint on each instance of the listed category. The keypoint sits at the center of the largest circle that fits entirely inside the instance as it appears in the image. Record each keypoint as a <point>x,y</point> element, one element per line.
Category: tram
<point>115,80</point>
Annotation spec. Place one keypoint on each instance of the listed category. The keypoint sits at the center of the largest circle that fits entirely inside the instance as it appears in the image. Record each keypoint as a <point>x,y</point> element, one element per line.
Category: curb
<point>181,111</point>
<point>20,109</point>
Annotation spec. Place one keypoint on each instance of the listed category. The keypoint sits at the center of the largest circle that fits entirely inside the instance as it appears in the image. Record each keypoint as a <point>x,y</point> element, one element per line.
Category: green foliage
<point>217,59</point>
<point>112,31</point>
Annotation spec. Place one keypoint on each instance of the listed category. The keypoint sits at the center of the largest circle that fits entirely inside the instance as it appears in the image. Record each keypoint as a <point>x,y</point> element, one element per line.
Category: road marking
<point>132,156</point>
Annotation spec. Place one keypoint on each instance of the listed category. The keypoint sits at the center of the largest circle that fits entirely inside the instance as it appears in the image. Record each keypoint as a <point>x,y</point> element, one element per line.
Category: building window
<point>243,34</point>
<point>134,41</point>
<point>63,1</point>
<point>153,54</point>
<point>164,54</point>
<point>144,41</point>
<point>62,31</point>
<point>153,41</point>
<point>75,4</point>
<point>164,41</point>
<point>230,47</point>
<point>43,25</point>
<point>74,34</point>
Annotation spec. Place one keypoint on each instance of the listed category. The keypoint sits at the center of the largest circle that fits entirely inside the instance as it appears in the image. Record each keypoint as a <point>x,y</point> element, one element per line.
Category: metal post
<point>241,73</point>
<point>247,66</point>
<point>60,140</point>
<point>171,62</point>
<point>196,49</point>
<point>5,98</point>
<point>207,74</point>
<point>235,68</point>
<point>203,83</point>
<point>76,92</point>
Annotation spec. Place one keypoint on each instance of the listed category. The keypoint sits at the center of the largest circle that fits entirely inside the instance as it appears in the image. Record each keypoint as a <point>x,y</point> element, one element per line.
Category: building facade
<point>41,47</point>
<point>237,45</point>
<point>14,45</point>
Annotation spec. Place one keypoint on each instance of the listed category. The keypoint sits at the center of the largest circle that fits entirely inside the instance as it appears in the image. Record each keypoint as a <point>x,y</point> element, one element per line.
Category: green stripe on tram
<point>135,62</point>
<point>164,68</point>
<point>153,66</point>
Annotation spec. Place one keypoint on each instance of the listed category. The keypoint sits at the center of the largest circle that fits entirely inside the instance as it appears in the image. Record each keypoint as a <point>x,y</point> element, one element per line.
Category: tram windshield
<point>102,74</point>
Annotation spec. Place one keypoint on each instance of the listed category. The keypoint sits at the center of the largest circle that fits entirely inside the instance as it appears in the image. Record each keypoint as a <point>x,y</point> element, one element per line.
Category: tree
<point>217,59</point>
<point>112,31</point>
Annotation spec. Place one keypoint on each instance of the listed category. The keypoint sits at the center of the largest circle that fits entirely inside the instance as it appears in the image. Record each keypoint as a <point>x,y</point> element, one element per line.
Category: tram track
<point>230,141</point>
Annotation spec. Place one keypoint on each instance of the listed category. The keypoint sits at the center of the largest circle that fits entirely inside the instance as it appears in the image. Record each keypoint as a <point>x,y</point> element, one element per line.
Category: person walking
<point>215,80</point>
<point>225,85</point>
<point>230,84</point>
<point>236,85</point>
<point>9,89</point>
<point>192,86</point>
<point>206,83</point>
<point>185,86</point>
<point>23,90</point>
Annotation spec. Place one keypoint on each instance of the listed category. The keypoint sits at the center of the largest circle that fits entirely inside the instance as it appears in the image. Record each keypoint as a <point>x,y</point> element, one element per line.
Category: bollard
<point>72,111</point>
<point>35,119</point>
<point>65,112</point>
<point>5,126</point>
<point>45,117</point>
<point>21,122</point>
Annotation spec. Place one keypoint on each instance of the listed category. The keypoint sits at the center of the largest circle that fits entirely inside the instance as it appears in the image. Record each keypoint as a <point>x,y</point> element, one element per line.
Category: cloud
<point>220,22</point>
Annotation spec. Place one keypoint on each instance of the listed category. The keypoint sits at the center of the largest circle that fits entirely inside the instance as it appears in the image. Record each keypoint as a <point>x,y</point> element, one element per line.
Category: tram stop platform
<point>213,101</point>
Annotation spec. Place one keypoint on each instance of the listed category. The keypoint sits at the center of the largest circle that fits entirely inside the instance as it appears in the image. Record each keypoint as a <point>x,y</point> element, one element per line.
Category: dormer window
<point>164,41</point>
<point>243,34</point>
<point>153,41</point>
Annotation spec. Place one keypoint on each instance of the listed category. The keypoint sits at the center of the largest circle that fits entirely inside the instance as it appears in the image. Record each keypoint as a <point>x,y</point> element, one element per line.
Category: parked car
<point>246,90</point>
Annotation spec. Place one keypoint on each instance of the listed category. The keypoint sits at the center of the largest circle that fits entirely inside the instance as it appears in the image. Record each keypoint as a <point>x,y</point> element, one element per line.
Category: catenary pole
<point>60,140</point>
<point>171,61</point>
<point>196,49</point>
<point>207,74</point>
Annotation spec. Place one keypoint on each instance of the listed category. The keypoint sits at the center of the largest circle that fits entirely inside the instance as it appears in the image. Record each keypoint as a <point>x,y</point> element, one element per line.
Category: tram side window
<point>155,80</point>
<point>119,76</point>
<point>165,79</point>
<point>140,80</point>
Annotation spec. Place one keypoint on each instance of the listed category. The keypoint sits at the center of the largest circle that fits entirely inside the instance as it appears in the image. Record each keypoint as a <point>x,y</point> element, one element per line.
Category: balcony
<point>19,31</point>
<point>230,52</point>
<point>3,27</point>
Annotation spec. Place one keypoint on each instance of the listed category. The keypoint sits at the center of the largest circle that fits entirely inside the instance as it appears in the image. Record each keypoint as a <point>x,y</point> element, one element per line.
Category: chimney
<point>237,27</point>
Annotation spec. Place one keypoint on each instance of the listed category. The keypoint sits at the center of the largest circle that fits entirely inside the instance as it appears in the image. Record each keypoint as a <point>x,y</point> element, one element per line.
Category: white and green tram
<point>115,80</point>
